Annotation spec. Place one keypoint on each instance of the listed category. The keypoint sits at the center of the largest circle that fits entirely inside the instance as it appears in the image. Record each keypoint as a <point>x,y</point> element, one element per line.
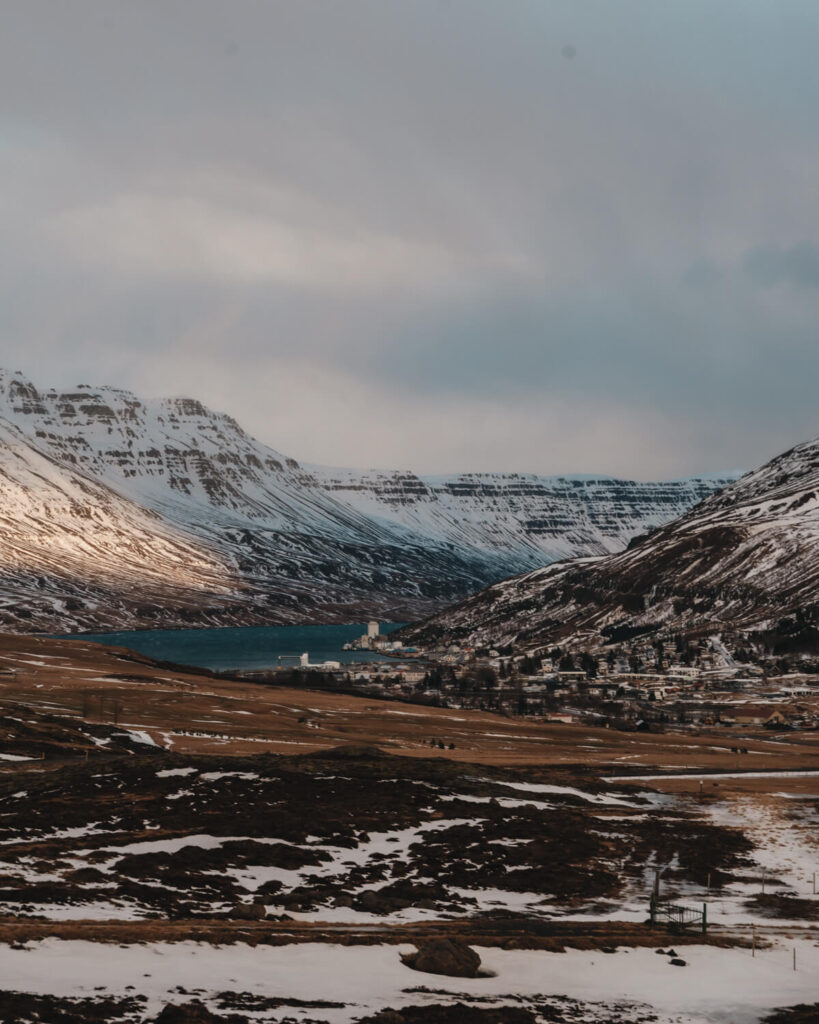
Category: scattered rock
<point>445,956</point>
<point>678,962</point>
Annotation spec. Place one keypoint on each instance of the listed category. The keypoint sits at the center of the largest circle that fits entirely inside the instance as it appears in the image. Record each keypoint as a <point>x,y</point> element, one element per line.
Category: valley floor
<point>166,837</point>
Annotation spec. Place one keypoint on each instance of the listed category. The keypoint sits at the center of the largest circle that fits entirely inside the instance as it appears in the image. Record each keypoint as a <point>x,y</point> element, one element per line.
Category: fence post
<point>653,909</point>
<point>704,918</point>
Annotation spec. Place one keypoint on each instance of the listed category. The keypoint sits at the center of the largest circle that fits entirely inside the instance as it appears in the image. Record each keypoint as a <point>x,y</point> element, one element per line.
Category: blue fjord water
<point>243,647</point>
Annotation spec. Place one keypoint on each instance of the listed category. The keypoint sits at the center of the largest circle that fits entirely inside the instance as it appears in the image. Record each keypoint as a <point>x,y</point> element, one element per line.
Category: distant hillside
<point>745,558</point>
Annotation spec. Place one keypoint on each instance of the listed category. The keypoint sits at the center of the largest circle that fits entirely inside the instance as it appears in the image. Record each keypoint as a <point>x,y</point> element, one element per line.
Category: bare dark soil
<point>784,905</point>
<point>474,1010</point>
<point>243,1008</point>
<point>22,1008</point>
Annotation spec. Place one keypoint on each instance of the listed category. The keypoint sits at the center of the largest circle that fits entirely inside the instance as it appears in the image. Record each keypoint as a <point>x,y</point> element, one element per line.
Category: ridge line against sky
<point>454,234</point>
<point>89,388</point>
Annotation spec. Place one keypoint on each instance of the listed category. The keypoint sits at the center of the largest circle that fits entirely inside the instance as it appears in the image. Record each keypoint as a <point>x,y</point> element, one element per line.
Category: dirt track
<point>507,933</point>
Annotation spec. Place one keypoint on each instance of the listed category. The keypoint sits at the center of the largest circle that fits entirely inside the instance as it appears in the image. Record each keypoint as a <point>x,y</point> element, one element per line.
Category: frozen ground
<point>181,845</point>
<point>718,985</point>
<point>388,849</point>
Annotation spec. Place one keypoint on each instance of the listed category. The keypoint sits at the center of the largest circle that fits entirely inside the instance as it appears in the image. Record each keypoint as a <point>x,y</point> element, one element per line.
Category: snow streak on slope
<point>525,518</point>
<point>255,537</point>
<point>744,558</point>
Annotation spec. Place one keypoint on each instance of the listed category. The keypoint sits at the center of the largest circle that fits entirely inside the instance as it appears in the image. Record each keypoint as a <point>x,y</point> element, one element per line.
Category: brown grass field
<point>70,682</point>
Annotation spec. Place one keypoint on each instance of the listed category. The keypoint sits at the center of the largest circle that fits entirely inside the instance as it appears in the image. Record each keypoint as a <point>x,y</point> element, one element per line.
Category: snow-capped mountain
<point>118,512</point>
<point>745,558</point>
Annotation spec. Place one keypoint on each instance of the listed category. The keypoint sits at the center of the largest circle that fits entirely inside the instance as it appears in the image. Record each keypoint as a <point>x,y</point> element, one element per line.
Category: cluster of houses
<point>640,685</point>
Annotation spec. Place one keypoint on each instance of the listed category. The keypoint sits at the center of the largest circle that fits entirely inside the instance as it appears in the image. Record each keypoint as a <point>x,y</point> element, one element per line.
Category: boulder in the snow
<point>445,956</point>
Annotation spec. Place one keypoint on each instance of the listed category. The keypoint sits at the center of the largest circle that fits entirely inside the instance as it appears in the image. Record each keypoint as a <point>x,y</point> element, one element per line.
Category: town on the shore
<point>639,684</point>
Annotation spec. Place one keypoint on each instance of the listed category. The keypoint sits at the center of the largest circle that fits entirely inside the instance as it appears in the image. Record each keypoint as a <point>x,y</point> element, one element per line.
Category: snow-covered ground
<point>718,985</point>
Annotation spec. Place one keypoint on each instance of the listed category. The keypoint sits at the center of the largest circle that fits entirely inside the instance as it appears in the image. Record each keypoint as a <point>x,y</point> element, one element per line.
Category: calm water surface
<point>244,647</point>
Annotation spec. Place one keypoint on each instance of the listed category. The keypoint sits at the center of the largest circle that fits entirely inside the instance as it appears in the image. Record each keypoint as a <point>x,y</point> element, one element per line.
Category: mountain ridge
<point>271,539</point>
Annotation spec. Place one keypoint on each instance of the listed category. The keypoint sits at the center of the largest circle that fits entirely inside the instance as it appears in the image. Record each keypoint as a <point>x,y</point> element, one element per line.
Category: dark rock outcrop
<point>193,1012</point>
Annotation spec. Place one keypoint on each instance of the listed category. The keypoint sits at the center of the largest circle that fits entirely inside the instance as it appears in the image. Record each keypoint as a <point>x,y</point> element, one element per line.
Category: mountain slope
<point>217,527</point>
<point>71,547</point>
<point>525,519</point>
<point>742,559</point>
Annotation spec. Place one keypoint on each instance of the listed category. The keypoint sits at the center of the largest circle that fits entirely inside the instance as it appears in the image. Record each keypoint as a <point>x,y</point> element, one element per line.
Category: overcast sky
<point>445,235</point>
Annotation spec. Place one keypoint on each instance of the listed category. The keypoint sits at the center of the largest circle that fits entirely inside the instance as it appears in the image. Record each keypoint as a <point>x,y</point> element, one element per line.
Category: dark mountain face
<point>746,558</point>
<point>119,512</point>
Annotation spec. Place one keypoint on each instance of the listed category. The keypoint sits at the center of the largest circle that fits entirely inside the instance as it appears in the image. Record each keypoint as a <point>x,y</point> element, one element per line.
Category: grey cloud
<point>701,274</point>
<point>798,265</point>
<point>429,204</point>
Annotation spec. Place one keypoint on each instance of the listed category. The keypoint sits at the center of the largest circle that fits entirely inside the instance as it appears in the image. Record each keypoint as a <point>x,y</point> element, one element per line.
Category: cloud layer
<point>452,234</point>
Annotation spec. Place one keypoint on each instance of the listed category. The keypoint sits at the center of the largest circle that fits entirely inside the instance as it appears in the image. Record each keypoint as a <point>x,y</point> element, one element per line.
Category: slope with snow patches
<point>745,558</point>
<point>227,530</point>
